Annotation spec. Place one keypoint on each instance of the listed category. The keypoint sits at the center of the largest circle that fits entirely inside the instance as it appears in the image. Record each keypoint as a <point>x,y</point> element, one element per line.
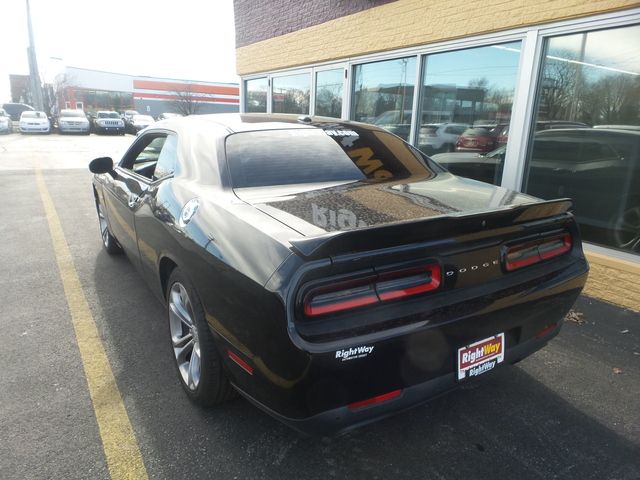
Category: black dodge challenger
<point>327,270</point>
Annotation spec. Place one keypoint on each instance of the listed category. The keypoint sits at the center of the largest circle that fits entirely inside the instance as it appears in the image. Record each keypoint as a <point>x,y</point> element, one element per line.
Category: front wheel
<point>197,360</point>
<point>109,242</point>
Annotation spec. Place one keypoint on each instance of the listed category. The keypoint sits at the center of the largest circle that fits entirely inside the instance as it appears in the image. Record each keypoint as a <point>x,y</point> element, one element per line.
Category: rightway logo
<point>354,352</point>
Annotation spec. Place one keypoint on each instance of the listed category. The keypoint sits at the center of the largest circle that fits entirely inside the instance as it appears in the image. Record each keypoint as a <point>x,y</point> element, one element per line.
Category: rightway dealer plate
<point>480,357</point>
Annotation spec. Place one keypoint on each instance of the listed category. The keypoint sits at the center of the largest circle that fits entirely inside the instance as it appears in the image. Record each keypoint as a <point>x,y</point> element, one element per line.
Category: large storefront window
<point>466,109</point>
<point>383,94</point>
<point>587,140</point>
<point>256,95</point>
<point>290,94</point>
<point>329,93</point>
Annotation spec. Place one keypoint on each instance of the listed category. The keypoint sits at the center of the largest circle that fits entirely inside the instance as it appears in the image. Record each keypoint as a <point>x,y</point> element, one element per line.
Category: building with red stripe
<point>92,90</point>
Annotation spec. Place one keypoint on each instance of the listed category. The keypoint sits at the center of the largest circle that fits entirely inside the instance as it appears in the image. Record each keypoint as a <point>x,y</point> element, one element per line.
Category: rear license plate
<point>480,357</point>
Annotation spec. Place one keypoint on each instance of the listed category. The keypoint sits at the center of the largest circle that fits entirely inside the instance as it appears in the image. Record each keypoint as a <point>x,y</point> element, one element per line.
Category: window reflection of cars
<point>600,170</point>
<point>106,121</point>
<point>73,121</point>
<point>477,139</point>
<point>34,122</point>
<point>502,136</point>
<point>395,121</point>
<point>5,122</point>
<point>486,167</point>
<point>439,137</point>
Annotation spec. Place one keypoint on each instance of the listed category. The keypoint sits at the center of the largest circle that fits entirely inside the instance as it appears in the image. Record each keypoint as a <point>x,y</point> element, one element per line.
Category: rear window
<point>567,151</point>
<point>299,156</point>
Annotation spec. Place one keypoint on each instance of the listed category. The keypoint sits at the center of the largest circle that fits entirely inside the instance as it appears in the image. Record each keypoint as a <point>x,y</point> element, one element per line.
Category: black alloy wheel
<point>197,359</point>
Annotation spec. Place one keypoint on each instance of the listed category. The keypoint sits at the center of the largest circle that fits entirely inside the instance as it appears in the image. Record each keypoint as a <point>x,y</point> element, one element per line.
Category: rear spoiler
<point>402,233</point>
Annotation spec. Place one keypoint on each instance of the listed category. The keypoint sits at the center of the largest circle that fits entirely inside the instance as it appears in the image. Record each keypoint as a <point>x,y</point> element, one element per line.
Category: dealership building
<point>92,90</point>
<point>539,96</point>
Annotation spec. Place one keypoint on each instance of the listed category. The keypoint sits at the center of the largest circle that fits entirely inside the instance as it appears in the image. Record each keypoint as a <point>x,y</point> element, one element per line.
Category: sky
<point>185,39</point>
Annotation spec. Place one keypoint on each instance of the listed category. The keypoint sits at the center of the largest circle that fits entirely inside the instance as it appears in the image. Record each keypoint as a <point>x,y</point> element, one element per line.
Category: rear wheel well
<point>166,267</point>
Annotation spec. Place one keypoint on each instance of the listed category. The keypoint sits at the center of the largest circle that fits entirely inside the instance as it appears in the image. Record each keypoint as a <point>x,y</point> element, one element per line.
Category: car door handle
<point>133,200</point>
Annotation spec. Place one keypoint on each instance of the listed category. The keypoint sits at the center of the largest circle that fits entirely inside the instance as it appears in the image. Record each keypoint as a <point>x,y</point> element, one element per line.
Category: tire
<point>109,242</point>
<point>625,230</point>
<point>202,376</point>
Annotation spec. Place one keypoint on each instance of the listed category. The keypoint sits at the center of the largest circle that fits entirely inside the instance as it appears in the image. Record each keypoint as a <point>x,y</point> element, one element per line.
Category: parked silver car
<point>73,121</point>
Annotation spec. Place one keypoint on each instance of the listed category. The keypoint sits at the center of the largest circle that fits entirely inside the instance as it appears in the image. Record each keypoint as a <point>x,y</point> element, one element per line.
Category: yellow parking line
<point>118,439</point>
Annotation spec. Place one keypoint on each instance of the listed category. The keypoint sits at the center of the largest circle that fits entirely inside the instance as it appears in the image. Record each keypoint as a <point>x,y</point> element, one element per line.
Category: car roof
<point>245,122</point>
<point>586,131</point>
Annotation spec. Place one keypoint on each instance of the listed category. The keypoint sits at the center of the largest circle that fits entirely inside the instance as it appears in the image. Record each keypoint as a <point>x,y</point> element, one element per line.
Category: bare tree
<point>60,86</point>
<point>186,103</point>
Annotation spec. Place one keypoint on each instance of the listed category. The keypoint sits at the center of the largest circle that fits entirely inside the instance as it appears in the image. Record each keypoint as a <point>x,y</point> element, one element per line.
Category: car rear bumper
<point>343,419</point>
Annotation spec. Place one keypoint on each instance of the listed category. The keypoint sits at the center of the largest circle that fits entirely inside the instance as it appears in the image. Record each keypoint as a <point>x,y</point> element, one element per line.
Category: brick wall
<point>614,281</point>
<point>398,24</point>
<point>262,19</point>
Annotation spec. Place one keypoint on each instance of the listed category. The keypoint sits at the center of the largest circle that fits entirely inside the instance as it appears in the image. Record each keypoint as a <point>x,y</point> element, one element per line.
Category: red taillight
<point>375,400</point>
<point>519,256</point>
<point>370,290</point>
<point>409,282</point>
<point>319,303</point>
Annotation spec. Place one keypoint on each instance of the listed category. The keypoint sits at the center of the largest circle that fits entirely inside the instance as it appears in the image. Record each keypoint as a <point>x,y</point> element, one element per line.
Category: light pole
<point>36,87</point>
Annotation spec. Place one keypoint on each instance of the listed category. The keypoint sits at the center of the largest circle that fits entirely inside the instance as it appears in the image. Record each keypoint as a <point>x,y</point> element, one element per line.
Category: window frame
<point>306,71</point>
<point>314,86</point>
<point>121,169</point>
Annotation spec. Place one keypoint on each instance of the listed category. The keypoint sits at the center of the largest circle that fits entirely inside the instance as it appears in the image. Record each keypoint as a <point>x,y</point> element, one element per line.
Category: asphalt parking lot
<point>570,411</point>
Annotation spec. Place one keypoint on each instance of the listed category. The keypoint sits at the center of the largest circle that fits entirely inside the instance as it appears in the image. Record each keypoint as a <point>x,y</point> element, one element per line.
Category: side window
<point>168,159</point>
<point>145,154</point>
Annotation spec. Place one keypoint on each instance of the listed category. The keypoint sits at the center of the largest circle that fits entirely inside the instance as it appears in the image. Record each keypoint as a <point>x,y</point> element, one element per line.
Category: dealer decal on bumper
<point>480,357</point>
<point>354,352</point>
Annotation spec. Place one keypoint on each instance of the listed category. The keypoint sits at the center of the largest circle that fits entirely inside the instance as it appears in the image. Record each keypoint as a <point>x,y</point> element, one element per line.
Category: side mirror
<point>101,165</point>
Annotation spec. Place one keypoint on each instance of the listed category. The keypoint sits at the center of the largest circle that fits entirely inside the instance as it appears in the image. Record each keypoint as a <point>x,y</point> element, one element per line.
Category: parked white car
<point>5,122</point>
<point>73,121</point>
<point>34,122</point>
<point>440,137</point>
<point>139,122</point>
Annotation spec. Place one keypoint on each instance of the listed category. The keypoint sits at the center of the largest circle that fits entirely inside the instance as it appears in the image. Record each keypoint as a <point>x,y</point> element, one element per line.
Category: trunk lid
<point>342,217</point>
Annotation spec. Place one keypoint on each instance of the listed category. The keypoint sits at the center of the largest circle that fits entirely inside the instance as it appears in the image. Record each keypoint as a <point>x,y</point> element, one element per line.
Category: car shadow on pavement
<point>509,425</point>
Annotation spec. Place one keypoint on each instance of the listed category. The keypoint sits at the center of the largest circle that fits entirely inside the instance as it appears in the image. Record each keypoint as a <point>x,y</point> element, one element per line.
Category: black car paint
<point>247,265</point>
